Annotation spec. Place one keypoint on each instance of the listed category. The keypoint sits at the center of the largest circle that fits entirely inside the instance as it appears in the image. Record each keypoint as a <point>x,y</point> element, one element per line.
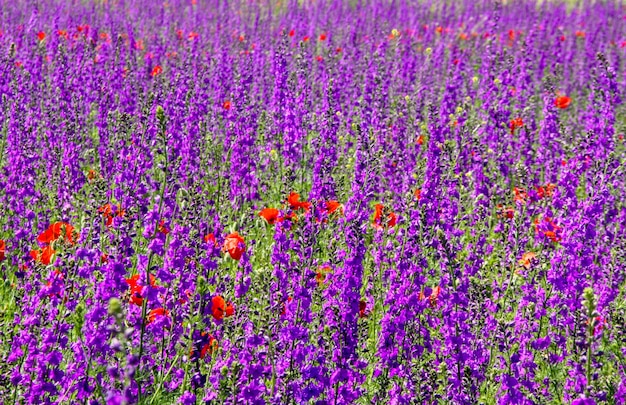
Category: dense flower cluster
<point>311,202</point>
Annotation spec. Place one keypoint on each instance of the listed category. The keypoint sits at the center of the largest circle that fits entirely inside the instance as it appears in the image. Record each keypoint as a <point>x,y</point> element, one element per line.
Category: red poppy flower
<point>434,295</point>
<point>295,203</point>
<point>107,212</point>
<point>157,312</point>
<point>209,347</point>
<point>305,39</point>
<point>270,215</point>
<point>545,191</point>
<point>2,249</point>
<point>432,298</point>
<point>333,205</point>
<point>520,195</point>
<point>515,123</point>
<point>227,104</point>
<point>235,245</point>
<point>157,70</point>
<point>230,309</point>
<point>527,259</point>
<point>418,194</point>
<point>219,308</point>
<point>322,37</point>
<point>562,102</point>
<point>580,34</point>
<point>162,228</point>
<point>135,288</point>
<point>210,238</point>
<point>505,212</point>
<point>362,309</point>
<point>292,33</point>
<point>548,228</point>
<point>320,275</point>
<point>47,236</point>
<point>44,255</point>
<point>392,218</point>
<point>41,35</point>
<point>284,311</point>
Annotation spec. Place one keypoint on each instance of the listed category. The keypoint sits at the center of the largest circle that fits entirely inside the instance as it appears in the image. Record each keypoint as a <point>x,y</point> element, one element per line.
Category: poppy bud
<point>115,307</point>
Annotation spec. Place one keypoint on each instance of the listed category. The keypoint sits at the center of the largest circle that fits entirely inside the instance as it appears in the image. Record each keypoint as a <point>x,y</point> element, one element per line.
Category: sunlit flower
<point>235,245</point>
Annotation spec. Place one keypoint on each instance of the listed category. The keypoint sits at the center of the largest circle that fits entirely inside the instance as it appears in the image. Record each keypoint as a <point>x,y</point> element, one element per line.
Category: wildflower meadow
<point>312,202</point>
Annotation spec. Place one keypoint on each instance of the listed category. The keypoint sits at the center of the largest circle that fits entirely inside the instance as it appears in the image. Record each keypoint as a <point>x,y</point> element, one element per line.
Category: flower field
<point>288,202</point>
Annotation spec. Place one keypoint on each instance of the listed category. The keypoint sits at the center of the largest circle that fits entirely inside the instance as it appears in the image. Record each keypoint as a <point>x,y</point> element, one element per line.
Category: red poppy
<point>320,275</point>
<point>512,35</point>
<point>270,215</point>
<point>157,70</point>
<point>432,298</point>
<point>562,102</point>
<point>520,195</point>
<point>322,37</point>
<point>599,324</point>
<point>305,39</point>
<point>527,259</point>
<point>219,308</point>
<point>230,309</point>
<point>545,191</point>
<point>235,245</point>
<point>104,258</point>
<point>54,232</point>
<point>295,203</point>
<point>362,309</point>
<point>332,206</point>
<point>505,212</point>
<point>41,35</point>
<point>162,228</point>
<point>284,311</point>
<point>227,104</point>
<point>420,140</point>
<point>292,33</point>
<point>210,347</point>
<point>44,255</point>
<point>2,249</point>
<point>434,295</point>
<point>135,288</point>
<point>157,312</point>
<point>580,34</point>
<point>210,238</point>
<point>392,218</point>
<point>418,194</point>
<point>515,123</point>
<point>107,212</point>
<point>548,228</point>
